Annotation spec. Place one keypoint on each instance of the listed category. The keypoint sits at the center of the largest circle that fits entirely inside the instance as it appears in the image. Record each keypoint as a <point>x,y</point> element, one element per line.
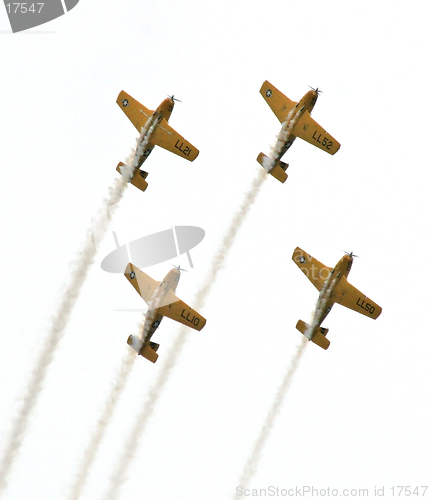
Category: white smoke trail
<point>236,223</point>
<point>324,296</point>
<point>118,386</point>
<point>153,306</point>
<point>119,474</point>
<point>59,322</point>
<point>131,443</point>
<point>142,141</point>
<point>251,465</point>
<point>287,126</point>
<point>80,267</point>
<point>102,423</point>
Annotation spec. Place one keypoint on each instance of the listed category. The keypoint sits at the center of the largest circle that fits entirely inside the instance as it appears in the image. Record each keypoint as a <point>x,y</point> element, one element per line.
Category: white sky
<point>356,415</point>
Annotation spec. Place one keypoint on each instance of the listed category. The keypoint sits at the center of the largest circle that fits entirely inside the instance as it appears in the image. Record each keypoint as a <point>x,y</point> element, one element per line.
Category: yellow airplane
<point>333,287</point>
<point>154,131</point>
<point>162,301</point>
<point>296,122</point>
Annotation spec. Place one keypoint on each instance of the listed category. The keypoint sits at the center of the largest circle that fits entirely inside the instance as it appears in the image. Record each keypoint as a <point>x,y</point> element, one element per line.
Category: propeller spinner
<point>316,90</point>
<point>351,254</point>
<point>179,268</point>
<point>173,98</point>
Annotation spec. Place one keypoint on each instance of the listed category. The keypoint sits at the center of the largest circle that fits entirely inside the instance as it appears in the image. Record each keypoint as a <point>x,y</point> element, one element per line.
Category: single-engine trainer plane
<point>154,131</point>
<point>296,122</point>
<point>333,287</point>
<point>162,301</point>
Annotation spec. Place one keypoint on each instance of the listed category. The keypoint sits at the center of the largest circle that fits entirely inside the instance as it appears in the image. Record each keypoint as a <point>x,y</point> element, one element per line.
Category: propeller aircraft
<point>296,122</point>
<point>333,287</point>
<point>154,130</point>
<point>162,301</point>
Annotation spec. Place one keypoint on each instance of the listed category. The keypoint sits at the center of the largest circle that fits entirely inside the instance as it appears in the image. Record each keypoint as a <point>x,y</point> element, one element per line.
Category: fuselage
<point>325,301</point>
<point>286,137</point>
<point>153,318</point>
<point>163,111</point>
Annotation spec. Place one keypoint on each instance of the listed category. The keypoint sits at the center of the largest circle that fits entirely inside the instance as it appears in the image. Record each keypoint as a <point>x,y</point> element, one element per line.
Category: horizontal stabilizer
<point>148,351</point>
<point>302,326</point>
<point>154,346</point>
<point>135,343</point>
<point>318,337</point>
<point>138,179</point>
<point>277,171</point>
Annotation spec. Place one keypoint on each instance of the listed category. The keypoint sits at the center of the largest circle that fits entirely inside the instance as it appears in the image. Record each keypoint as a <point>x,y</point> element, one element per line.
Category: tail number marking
<point>185,151</point>
<point>194,320</point>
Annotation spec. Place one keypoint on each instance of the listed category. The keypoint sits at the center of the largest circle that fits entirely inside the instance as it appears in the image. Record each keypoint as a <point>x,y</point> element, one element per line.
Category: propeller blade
<point>316,90</point>
<point>173,98</point>
<point>351,254</point>
<point>179,268</point>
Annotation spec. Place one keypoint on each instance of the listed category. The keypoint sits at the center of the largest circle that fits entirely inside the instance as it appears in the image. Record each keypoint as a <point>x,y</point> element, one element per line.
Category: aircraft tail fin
<point>138,179</point>
<point>318,337</point>
<point>278,171</point>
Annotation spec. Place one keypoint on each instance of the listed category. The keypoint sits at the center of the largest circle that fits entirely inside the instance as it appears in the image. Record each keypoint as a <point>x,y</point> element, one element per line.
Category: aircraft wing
<point>315,271</point>
<point>278,102</point>
<point>349,296</point>
<point>181,312</point>
<point>136,112</point>
<point>166,137</point>
<point>309,130</point>
<point>144,285</point>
